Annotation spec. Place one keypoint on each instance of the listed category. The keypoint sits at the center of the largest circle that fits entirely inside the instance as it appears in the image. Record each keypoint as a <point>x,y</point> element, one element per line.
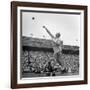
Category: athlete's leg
<point>58,58</point>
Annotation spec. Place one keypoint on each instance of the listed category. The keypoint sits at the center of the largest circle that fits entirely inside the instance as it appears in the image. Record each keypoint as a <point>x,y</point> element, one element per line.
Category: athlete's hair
<point>58,35</point>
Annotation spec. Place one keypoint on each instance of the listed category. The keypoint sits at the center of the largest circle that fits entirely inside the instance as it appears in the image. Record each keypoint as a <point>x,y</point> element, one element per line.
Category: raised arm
<point>48,32</point>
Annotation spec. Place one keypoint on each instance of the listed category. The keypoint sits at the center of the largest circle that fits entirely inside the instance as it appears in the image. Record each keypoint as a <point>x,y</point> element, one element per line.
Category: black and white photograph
<point>49,44</point>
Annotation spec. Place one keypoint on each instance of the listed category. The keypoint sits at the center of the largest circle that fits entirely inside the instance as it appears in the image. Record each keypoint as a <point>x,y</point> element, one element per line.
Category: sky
<point>67,24</point>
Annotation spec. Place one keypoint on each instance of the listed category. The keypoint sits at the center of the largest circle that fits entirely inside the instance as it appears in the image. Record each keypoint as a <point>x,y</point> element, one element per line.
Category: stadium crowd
<point>44,62</point>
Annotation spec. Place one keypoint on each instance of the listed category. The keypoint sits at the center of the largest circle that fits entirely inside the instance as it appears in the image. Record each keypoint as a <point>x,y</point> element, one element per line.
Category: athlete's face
<point>58,35</point>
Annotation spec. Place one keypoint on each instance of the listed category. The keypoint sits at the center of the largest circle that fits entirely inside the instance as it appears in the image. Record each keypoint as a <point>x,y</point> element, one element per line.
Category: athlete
<point>57,47</point>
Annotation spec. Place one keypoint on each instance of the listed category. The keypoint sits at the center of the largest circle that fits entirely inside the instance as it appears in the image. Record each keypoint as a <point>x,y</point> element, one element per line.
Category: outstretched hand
<point>48,32</point>
<point>44,27</point>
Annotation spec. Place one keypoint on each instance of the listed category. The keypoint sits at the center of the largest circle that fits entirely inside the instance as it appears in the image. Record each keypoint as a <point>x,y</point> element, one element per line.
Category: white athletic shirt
<point>57,45</point>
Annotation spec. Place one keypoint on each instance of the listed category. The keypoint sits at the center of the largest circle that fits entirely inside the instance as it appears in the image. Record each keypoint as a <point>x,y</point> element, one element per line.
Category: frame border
<point>14,5</point>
